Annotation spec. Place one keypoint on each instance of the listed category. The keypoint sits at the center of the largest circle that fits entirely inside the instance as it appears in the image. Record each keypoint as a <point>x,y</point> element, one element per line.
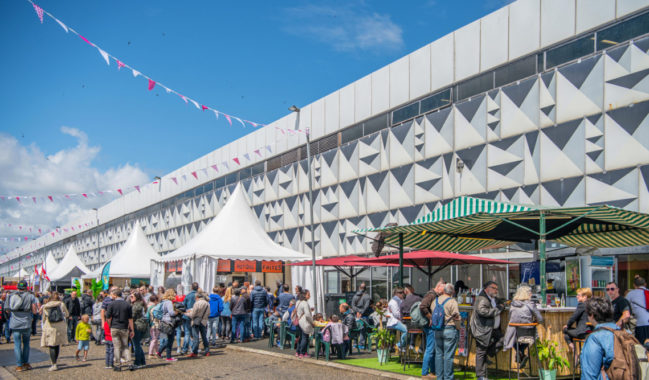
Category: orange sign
<point>245,266</point>
<point>223,266</point>
<point>271,266</point>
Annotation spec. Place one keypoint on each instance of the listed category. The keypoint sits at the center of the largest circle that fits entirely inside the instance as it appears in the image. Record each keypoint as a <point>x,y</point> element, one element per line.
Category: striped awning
<point>469,224</point>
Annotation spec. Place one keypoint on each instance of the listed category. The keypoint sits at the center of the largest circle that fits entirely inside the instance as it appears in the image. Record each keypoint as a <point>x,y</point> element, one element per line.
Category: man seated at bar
<point>485,326</point>
<point>579,317</point>
<point>621,307</point>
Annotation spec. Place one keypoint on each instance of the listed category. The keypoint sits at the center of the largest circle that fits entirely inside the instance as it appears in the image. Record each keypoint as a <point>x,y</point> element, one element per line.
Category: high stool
<point>525,334</point>
<point>406,358</point>
<point>470,340</point>
<point>579,343</point>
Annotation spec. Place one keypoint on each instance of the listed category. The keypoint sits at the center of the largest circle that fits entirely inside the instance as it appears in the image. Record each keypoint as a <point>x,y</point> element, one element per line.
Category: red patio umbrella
<point>339,262</point>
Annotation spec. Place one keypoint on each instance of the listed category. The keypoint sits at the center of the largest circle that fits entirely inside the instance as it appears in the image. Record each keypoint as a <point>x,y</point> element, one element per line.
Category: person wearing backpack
<point>638,299</point>
<point>609,352</point>
<point>446,323</point>
<point>239,313</point>
<point>55,328</point>
<point>23,306</point>
<point>485,326</point>
<point>425,312</point>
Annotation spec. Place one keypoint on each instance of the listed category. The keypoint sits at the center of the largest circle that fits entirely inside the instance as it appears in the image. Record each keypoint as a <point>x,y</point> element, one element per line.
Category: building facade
<point>542,102</point>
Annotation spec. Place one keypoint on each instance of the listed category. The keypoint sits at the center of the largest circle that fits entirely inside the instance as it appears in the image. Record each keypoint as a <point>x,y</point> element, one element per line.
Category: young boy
<point>110,354</point>
<point>82,335</point>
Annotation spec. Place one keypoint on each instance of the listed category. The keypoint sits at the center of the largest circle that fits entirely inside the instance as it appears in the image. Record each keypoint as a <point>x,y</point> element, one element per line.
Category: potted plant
<point>550,358</point>
<point>384,341</point>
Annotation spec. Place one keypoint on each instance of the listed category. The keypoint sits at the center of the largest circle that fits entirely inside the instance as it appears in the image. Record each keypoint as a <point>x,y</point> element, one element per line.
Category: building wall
<point>571,135</point>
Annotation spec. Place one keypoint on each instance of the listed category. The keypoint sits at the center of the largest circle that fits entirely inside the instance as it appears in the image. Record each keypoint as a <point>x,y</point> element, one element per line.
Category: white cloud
<point>348,27</point>
<point>27,171</point>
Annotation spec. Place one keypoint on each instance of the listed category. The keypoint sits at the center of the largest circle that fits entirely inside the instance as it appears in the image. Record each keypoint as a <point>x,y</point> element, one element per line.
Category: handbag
<point>166,328</point>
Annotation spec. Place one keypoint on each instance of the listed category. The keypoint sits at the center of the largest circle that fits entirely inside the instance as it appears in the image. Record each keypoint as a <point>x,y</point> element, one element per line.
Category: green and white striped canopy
<point>469,224</point>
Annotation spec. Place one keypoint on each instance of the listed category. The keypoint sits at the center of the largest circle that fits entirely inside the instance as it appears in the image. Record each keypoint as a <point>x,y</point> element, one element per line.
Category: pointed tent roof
<point>50,264</point>
<point>235,233</point>
<point>133,260</point>
<point>70,266</point>
<point>21,273</point>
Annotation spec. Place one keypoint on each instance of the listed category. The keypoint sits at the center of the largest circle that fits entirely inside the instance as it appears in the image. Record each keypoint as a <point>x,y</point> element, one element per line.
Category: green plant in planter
<point>384,339</point>
<point>551,358</point>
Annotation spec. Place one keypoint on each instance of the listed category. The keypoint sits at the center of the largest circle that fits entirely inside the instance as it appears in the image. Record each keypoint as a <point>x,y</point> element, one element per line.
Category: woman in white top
<point>394,316</point>
<point>303,311</point>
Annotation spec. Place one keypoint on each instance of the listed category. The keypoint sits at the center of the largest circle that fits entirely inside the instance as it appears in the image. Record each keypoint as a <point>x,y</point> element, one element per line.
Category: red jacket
<point>107,336</point>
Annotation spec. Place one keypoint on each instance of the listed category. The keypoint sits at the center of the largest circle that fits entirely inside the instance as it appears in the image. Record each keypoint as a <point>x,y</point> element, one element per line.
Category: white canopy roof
<point>94,274</point>
<point>235,233</point>
<point>50,264</point>
<point>21,273</point>
<point>133,260</point>
<point>70,266</point>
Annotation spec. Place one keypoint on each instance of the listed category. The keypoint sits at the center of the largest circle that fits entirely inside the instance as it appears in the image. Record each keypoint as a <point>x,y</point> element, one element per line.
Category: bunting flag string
<point>107,57</point>
<point>43,199</point>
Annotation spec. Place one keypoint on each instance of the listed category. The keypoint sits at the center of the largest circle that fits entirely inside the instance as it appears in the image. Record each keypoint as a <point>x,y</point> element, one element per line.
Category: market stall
<point>232,245</point>
<point>68,269</point>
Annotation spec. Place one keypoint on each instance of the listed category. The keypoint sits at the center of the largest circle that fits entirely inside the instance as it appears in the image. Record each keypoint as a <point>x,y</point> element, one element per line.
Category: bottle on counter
<point>563,300</point>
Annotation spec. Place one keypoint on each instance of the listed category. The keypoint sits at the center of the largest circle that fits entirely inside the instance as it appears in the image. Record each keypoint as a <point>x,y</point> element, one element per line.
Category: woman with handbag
<point>140,325</point>
<point>154,331</point>
<point>167,327</point>
<point>55,328</point>
<point>305,323</point>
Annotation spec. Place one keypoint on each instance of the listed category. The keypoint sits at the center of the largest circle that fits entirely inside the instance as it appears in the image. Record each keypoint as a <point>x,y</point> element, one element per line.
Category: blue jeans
<point>21,345</point>
<point>179,331</point>
<point>189,335</point>
<point>213,328</point>
<point>137,348</point>
<point>200,331</point>
<point>247,327</point>
<point>258,321</point>
<point>166,342</point>
<point>238,322</point>
<point>404,333</point>
<point>428,364</point>
<point>7,331</point>
<point>445,345</point>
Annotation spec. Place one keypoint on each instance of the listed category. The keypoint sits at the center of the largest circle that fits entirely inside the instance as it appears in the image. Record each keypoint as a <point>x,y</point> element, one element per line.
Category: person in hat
<point>23,306</point>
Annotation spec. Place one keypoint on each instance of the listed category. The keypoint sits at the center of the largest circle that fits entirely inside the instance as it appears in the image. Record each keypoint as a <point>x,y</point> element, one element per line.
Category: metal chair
<point>319,341</point>
<point>525,334</point>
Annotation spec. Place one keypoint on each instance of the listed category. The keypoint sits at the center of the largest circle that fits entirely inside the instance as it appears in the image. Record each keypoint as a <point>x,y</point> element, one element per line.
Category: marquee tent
<point>22,273</point>
<point>134,258</point>
<point>50,264</point>
<point>70,266</point>
<point>235,233</point>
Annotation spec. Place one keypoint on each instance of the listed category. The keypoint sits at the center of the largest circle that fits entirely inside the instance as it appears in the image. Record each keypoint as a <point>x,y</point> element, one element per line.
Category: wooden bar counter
<point>553,320</point>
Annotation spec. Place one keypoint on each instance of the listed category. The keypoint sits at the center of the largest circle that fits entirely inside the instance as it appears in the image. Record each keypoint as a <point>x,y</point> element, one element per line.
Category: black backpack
<point>55,315</point>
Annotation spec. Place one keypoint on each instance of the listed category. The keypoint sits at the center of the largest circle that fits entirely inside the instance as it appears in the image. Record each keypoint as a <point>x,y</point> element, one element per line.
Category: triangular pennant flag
<point>216,113</point>
<point>52,233</point>
<point>137,188</point>
<point>39,231</point>
<point>62,24</point>
<point>195,175</point>
<point>228,117</point>
<point>18,199</point>
<point>216,169</point>
<point>195,103</point>
<point>247,156</point>
<point>268,148</point>
<point>120,64</point>
<point>204,107</point>
<point>86,40</point>
<point>240,121</point>
<point>84,195</point>
<point>252,123</point>
<point>67,196</point>
<point>135,73</point>
<point>151,84</point>
<point>167,89</point>
<point>34,199</point>
<point>175,180</point>
<point>225,164</point>
<point>184,177</point>
<point>39,12</point>
<point>236,160</point>
<point>183,97</point>
<point>204,171</point>
<point>258,152</point>
<point>104,55</point>
<point>120,191</point>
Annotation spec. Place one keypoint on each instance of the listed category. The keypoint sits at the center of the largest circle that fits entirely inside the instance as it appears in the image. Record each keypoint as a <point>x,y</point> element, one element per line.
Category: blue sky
<point>70,123</point>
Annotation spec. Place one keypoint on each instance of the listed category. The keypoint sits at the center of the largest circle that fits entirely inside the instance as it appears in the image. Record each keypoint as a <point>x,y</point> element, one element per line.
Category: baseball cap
<point>22,285</point>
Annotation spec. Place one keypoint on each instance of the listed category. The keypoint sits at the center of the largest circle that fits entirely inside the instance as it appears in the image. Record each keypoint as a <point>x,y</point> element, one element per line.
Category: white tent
<point>70,266</point>
<point>235,233</point>
<point>50,264</point>
<point>22,273</point>
<point>133,260</point>
<point>94,274</point>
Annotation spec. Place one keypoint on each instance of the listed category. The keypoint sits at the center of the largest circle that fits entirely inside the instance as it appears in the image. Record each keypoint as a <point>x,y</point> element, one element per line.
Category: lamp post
<point>295,109</point>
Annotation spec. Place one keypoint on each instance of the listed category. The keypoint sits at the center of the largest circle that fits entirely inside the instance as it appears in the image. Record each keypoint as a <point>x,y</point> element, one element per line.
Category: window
<point>232,178</point>
<point>289,157</point>
<point>379,283</point>
<point>405,113</point>
<point>257,169</point>
<point>244,173</point>
<point>514,71</point>
<point>623,31</point>
<point>324,144</point>
<point>273,163</point>
<point>540,58</point>
<point>332,282</point>
<point>375,124</point>
<point>474,86</point>
<point>219,183</point>
<point>570,51</point>
<point>438,100</point>
<point>352,133</point>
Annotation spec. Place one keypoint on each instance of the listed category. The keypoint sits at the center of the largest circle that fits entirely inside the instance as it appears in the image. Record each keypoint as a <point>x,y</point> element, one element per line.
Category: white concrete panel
<point>494,39</point>
<point>380,90</point>
<point>557,20</point>
<point>442,66</point>
<point>524,27</point>
<point>317,118</point>
<point>347,106</point>
<point>363,98</point>
<point>420,72</point>
<point>399,81</point>
<point>591,13</point>
<point>627,6</point>
<point>332,112</point>
<point>467,48</point>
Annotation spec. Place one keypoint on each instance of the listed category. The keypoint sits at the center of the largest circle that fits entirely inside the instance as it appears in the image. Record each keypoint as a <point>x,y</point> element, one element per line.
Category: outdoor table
<point>554,318</point>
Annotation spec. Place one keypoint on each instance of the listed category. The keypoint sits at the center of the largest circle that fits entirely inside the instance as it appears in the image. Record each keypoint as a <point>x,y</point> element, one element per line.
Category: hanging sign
<point>224,266</point>
<point>271,266</point>
<point>245,266</point>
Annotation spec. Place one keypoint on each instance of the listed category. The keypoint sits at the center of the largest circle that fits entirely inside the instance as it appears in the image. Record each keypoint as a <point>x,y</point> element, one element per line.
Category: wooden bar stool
<point>525,334</point>
<point>579,344</point>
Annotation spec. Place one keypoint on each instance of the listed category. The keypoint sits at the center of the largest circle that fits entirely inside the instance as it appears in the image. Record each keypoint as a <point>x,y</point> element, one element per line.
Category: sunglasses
<point>610,289</point>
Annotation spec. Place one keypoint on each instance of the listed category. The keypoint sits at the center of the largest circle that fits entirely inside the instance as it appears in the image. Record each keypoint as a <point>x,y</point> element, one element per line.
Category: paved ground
<point>224,364</point>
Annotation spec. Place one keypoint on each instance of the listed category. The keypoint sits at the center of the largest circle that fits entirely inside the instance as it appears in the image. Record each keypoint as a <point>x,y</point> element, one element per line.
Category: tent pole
<point>401,259</point>
<point>542,236</point>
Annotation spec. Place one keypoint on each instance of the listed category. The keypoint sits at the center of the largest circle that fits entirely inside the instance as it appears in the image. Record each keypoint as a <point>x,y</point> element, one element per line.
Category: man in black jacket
<point>485,326</point>
<point>361,306</point>
<point>86,303</point>
<point>74,314</point>
<point>259,299</point>
<point>411,299</point>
